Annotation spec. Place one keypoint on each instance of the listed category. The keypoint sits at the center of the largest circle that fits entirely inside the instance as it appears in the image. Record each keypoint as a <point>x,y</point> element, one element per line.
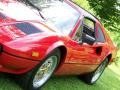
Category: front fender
<point>33,48</point>
<point>54,46</point>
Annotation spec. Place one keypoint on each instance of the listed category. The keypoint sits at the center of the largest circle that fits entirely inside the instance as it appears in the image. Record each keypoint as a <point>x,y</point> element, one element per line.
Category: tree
<point>108,11</point>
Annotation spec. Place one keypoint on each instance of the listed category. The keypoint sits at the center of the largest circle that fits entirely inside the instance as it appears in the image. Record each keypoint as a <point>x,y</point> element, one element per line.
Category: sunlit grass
<point>110,80</point>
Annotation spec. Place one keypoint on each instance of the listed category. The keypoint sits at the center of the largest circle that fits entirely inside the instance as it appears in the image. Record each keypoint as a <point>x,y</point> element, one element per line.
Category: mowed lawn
<point>110,80</point>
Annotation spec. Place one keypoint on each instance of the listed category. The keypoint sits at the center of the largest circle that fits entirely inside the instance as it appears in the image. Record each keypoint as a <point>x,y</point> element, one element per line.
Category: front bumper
<point>15,65</point>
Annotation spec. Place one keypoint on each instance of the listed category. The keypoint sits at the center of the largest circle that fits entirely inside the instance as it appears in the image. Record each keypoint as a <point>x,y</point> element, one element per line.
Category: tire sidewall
<point>92,75</point>
<point>30,86</point>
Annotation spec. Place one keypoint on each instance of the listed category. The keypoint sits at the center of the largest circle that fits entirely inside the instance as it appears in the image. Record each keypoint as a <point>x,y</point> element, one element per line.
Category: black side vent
<point>2,16</point>
<point>1,48</point>
<point>27,28</point>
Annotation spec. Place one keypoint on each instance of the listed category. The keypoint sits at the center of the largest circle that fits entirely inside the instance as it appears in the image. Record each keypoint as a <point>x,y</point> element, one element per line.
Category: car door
<point>85,52</point>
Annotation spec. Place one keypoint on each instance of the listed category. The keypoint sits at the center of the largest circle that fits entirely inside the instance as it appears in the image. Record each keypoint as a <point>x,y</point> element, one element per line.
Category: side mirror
<point>87,39</point>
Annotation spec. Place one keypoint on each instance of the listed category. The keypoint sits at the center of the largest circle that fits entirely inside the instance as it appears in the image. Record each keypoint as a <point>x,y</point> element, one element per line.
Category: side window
<point>89,23</point>
<point>100,36</point>
<point>78,35</point>
<point>89,27</point>
<point>88,35</point>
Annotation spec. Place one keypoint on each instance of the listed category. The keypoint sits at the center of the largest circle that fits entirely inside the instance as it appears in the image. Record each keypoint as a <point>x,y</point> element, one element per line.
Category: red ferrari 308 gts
<point>42,37</point>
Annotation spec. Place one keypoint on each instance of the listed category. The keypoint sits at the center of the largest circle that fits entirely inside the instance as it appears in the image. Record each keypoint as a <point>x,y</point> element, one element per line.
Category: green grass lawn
<point>110,80</point>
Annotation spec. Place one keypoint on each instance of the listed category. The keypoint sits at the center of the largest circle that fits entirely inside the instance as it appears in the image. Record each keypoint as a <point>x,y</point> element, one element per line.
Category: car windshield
<point>58,13</point>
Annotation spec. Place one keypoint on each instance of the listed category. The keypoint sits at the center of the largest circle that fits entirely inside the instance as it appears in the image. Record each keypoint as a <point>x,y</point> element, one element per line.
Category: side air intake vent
<point>0,48</point>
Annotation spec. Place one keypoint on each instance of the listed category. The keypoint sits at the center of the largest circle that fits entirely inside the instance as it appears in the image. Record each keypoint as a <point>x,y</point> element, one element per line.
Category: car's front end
<point>23,45</point>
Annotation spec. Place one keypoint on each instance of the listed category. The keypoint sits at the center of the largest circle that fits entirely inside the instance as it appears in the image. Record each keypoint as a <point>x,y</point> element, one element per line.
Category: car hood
<point>23,31</point>
<point>16,41</point>
<point>13,12</point>
<point>13,30</point>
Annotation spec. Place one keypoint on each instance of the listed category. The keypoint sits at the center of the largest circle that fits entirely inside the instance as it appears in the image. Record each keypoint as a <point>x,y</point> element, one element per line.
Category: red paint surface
<point>18,47</point>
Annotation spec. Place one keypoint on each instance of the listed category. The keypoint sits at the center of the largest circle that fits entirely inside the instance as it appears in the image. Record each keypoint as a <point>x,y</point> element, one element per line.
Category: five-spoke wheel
<point>37,77</point>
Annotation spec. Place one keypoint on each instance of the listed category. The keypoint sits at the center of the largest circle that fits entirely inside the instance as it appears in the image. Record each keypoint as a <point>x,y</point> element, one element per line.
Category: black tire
<point>26,80</point>
<point>90,77</point>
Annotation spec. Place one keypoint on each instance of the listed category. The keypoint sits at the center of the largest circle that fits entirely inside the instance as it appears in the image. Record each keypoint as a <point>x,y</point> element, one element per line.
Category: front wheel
<point>92,77</point>
<point>36,78</point>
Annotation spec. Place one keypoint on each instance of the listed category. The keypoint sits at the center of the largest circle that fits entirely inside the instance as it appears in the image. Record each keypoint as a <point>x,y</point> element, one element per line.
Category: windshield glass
<point>58,13</point>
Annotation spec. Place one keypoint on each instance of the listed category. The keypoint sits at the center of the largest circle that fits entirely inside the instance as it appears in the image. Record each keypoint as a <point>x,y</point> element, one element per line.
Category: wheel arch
<point>109,56</point>
<point>63,51</point>
<point>58,45</point>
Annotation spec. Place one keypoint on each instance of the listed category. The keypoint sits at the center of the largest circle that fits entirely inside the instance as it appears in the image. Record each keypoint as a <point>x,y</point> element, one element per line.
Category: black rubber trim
<point>19,56</point>
<point>27,28</point>
<point>1,49</point>
<point>2,16</point>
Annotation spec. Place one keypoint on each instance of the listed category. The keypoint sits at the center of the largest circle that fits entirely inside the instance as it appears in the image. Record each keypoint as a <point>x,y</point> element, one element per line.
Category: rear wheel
<point>36,78</point>
<point>92,77</point>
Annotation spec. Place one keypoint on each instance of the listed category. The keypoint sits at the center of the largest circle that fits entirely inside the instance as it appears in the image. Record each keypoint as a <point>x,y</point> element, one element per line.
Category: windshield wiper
<point>27,2</point>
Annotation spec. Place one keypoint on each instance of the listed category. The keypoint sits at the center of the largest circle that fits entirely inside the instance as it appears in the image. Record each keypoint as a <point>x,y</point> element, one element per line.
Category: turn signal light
<point>35,54</point>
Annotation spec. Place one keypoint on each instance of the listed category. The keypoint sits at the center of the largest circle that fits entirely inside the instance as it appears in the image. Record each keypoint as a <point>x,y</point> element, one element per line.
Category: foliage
<point>85,4</point>
<point>109,13</point>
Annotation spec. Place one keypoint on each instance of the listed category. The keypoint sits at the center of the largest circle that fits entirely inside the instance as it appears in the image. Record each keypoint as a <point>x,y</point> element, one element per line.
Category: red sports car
<point>42,37</point>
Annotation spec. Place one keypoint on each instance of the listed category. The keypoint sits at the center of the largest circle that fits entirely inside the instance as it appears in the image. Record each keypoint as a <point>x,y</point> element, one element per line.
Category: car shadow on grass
<point>7,83</point>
